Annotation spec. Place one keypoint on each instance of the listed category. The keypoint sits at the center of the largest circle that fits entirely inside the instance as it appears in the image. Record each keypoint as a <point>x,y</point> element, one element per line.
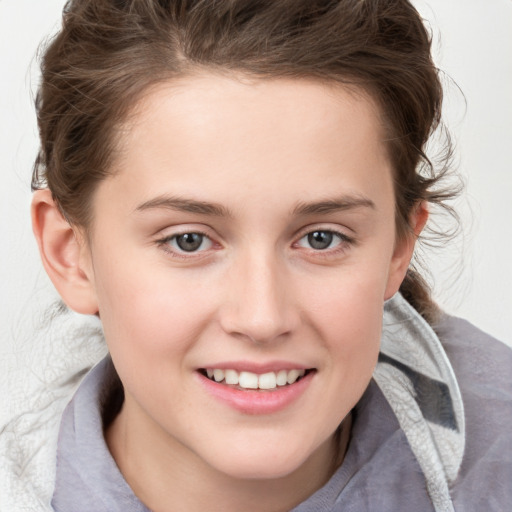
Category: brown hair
<point>109,52</point>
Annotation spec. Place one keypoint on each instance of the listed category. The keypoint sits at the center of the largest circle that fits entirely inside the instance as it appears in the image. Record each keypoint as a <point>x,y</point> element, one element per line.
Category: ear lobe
<point>62,254</point>
<point>404,249</point>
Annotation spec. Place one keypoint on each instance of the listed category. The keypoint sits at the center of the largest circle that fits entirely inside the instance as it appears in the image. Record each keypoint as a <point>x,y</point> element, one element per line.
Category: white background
<point>473,275</point>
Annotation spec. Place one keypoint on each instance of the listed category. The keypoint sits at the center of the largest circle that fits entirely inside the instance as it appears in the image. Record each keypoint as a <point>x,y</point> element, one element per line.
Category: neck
<point>165,475</point>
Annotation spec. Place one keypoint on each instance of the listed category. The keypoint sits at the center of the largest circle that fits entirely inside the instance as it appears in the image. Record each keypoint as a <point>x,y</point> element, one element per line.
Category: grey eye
<point>320,239</point>
<point>191,242</point>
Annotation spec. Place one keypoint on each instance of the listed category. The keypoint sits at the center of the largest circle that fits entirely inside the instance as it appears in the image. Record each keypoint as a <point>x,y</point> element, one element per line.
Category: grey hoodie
<point>431,432</point>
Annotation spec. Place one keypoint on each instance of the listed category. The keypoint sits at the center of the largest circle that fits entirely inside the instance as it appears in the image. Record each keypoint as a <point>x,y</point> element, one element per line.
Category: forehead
<point>217,136</point>
<point>201,103</point>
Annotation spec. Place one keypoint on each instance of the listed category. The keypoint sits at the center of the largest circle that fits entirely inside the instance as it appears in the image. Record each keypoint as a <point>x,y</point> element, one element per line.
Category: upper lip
<point>258,368</point>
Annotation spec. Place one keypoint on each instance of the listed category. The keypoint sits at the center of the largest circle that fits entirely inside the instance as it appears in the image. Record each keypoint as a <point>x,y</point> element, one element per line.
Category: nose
<point>260,304</point>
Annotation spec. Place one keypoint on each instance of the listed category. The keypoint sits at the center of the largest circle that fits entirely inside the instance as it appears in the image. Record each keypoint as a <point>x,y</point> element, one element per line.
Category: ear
<point>404,249</point>
<point>64,254</point>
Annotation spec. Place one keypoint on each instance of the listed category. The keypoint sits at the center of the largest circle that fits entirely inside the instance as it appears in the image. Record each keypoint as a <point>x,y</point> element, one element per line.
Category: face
<point>246,235</point>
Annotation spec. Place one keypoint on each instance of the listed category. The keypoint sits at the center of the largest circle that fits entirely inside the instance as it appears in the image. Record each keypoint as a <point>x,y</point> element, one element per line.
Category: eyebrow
<point>185,205</point>
<point>218,210</point>
<point>333,205</point>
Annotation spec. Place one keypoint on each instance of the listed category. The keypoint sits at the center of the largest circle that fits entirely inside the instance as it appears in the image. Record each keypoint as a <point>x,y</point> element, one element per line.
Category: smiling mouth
<point>249,380</point>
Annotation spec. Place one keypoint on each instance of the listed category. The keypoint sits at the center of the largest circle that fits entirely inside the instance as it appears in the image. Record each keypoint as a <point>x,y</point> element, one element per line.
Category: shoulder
<point>483,367</point>
<point>482,363</point>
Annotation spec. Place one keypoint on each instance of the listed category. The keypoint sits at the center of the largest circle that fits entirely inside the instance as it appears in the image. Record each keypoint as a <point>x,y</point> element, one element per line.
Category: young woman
<point>235,189</point>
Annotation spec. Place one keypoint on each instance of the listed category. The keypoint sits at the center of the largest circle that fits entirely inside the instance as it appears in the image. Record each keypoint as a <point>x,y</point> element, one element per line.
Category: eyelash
<point>164,243</point>
<point>344,242</point>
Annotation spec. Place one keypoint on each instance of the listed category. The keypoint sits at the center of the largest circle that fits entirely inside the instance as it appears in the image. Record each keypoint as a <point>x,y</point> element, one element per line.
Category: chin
<point>267,469</point>
<point>263,461</point>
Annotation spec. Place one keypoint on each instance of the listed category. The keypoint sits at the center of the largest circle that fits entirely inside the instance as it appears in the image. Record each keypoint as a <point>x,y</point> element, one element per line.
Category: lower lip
<point>251,401</point>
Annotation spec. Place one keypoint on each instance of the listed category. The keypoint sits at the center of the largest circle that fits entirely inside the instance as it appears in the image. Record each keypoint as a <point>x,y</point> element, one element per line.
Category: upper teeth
<point>249,380</point>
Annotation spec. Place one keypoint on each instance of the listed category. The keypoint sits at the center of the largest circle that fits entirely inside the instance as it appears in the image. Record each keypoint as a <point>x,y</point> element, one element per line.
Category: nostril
<point>259,329</point>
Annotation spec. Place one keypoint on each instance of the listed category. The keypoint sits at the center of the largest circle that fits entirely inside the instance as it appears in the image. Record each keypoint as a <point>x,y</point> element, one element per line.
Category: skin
<point>278,159</point>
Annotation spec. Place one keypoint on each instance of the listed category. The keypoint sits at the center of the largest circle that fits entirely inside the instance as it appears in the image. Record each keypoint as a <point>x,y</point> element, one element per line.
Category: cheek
<point>151,311</point>
<point>349,298</point>
<point>347,312</point>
